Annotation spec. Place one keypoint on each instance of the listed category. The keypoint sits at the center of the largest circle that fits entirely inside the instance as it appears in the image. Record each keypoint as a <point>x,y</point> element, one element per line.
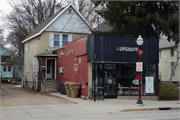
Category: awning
<point>49,55</point>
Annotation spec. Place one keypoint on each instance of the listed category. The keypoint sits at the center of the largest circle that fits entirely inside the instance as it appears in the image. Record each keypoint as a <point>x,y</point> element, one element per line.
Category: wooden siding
<point>34,49</point>
<point>43,44</point>
<point>165,60</point>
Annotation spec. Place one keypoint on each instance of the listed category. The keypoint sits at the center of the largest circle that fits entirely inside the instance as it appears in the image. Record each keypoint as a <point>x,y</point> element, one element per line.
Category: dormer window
<point>69,11</point>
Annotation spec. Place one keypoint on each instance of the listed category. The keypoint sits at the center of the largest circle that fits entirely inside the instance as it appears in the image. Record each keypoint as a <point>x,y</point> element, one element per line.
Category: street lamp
<point>140,52</point>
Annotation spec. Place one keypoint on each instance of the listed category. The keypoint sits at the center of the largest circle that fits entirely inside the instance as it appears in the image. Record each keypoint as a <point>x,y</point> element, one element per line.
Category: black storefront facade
<point>114,60</point>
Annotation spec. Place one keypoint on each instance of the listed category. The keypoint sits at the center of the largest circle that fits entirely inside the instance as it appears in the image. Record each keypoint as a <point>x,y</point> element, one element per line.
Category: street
<point>24,104</point>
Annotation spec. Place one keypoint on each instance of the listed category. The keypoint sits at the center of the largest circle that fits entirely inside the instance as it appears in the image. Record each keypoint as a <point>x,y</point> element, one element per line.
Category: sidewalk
<point>124,105</point>
<point>81,108</point>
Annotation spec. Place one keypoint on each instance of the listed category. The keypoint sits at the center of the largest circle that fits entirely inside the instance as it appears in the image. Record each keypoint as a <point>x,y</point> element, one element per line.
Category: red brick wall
<point>74,60</point>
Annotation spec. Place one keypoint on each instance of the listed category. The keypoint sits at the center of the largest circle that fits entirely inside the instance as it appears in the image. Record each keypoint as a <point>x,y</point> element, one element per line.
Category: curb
<point>144,109</point>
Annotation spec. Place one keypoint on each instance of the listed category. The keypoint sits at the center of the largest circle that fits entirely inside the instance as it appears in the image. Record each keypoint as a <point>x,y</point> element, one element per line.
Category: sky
<point>5,9</point>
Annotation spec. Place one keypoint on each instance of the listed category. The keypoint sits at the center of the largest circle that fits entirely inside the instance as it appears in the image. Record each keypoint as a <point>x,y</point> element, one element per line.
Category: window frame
<point>34,65</point>
<point>172,52</point>
<point>27,65</point>
<point>4,68</point>
<point>56,40</point>
<point>9,68</point>
<point>27,47</point>
<point>172,67</point>
<point>52,39</point>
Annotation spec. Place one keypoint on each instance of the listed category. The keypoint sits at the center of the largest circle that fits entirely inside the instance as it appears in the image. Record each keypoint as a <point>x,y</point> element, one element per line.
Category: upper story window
<point>4,68</point>
<point>27,47</point>
<point>9,68</point>
<point>5,58</point>
<point>172,68</point>
<point>56,40</point>
<point>172,51</point>
<point>59,40</point>
<point>64,40</point>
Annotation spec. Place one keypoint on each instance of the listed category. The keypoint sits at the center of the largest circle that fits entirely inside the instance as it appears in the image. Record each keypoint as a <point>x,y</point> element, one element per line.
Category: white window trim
<point>27,47</point>
<point>27,65</point>
<point>51,39</point>
<point>34,64</point>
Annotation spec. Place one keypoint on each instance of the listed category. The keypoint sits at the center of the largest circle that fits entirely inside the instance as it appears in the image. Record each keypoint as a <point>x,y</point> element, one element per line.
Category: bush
<point>168,91</point>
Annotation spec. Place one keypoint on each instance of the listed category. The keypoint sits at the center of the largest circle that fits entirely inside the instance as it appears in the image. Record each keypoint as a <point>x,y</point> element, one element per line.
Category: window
<point>59,40</point>
<point>5,58</point>
<point>172,68</point>
<point>9,68</point>
<point>35,39</point>
<point>4,68</point>
<point>27,47</point>
<point>160,54</point>
<point>172,51</point>
<point>34,64</point>
<point>56,40</point>
<point>64,40</point>
<point>27,66</point>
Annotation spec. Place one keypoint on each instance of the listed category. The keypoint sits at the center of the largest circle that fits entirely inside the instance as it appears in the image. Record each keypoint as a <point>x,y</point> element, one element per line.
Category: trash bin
<point>74,87</point>
<point>68,92</point>
<point>62,88</point>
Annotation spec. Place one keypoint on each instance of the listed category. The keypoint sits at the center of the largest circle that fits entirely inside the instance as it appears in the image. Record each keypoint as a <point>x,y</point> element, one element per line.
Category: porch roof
<point>41,55</point>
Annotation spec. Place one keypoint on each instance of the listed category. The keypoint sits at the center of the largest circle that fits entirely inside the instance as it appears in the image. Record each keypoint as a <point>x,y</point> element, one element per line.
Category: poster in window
<point>149,85</point>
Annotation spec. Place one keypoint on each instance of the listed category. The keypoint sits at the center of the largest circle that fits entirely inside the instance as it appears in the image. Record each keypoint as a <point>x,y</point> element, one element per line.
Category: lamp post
<point>140,52</point>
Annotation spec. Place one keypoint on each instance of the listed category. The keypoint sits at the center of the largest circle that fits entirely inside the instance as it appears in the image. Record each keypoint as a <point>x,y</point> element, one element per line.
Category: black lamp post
<point>140,52</point>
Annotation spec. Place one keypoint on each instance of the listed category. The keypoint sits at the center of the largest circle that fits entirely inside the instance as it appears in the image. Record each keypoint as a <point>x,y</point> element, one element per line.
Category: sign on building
<point>149,84</point>
<point>139,66</point>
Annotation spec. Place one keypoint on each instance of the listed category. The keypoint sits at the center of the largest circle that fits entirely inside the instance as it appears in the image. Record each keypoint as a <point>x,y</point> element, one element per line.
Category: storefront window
<point>149,71</point>
<point>110,66</point>
<point>121,78</point>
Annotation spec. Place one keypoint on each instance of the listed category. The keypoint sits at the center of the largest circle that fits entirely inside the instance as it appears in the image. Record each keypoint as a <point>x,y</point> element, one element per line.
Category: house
<point>167,59</point>
<point>110,61</point>
<point>6,67</point>
<point>39,61</point>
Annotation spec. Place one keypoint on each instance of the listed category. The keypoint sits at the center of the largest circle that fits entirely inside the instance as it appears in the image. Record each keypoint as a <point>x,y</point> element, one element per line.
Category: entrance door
<point>110,86</point>
<point>49,69</point>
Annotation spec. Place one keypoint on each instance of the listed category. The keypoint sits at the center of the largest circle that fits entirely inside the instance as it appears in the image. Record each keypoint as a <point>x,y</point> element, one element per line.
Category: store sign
<point>139,66</point>
<point>127,49</point>
<point>135,82</point>
<point>149,84</point>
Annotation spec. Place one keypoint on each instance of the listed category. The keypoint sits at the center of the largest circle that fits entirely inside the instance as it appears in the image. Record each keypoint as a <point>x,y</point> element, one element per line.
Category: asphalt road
<point>135,115</point>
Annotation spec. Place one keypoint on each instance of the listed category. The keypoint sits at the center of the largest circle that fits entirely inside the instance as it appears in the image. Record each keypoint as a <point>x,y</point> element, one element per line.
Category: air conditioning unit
<point>61,69</point>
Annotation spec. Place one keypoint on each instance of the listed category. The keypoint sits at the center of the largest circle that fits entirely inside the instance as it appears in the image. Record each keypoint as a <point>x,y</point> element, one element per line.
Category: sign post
<point>139,68</point>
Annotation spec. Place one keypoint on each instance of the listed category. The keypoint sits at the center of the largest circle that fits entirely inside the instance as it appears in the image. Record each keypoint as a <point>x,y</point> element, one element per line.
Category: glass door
<point>110,86</point>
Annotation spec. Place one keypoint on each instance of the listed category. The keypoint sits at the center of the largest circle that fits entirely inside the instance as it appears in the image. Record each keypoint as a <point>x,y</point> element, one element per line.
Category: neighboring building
<point>110,61</point>
<point>167,60</point>
<point>39,63</point>
<point>6,68</point>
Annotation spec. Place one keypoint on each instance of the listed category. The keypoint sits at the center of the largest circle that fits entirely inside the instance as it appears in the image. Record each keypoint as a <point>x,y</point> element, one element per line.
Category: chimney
<point>57,8</point>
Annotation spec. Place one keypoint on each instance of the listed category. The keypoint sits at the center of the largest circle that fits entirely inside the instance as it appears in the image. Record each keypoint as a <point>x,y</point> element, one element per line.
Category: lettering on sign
<point>139,66</point>
<point>127,49</point>
<point>66,53</point>
<point>75,67</point>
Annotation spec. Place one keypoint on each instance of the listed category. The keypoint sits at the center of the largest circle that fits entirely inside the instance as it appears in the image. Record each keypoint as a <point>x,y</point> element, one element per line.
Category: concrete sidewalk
<point>82,108</point>
<point>125,105</point>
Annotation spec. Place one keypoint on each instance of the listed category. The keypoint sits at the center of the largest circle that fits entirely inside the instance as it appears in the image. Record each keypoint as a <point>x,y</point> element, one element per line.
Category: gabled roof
<point>164,43</point>
<point>6,49</point>
<point>50,20</point>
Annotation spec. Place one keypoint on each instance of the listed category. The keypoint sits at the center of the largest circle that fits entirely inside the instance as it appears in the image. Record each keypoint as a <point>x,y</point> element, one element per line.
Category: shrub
<point>168,91</point>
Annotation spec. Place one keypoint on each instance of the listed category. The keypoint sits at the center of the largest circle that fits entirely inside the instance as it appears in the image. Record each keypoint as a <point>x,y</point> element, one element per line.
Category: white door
<point>49,69</point>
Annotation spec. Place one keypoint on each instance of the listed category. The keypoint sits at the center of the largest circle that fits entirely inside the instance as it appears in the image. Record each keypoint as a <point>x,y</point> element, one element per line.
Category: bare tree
<point>177,46</point>
<point>25,17</point>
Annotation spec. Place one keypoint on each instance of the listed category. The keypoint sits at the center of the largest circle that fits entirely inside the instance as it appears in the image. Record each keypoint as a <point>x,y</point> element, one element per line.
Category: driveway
<point>15,96</point>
